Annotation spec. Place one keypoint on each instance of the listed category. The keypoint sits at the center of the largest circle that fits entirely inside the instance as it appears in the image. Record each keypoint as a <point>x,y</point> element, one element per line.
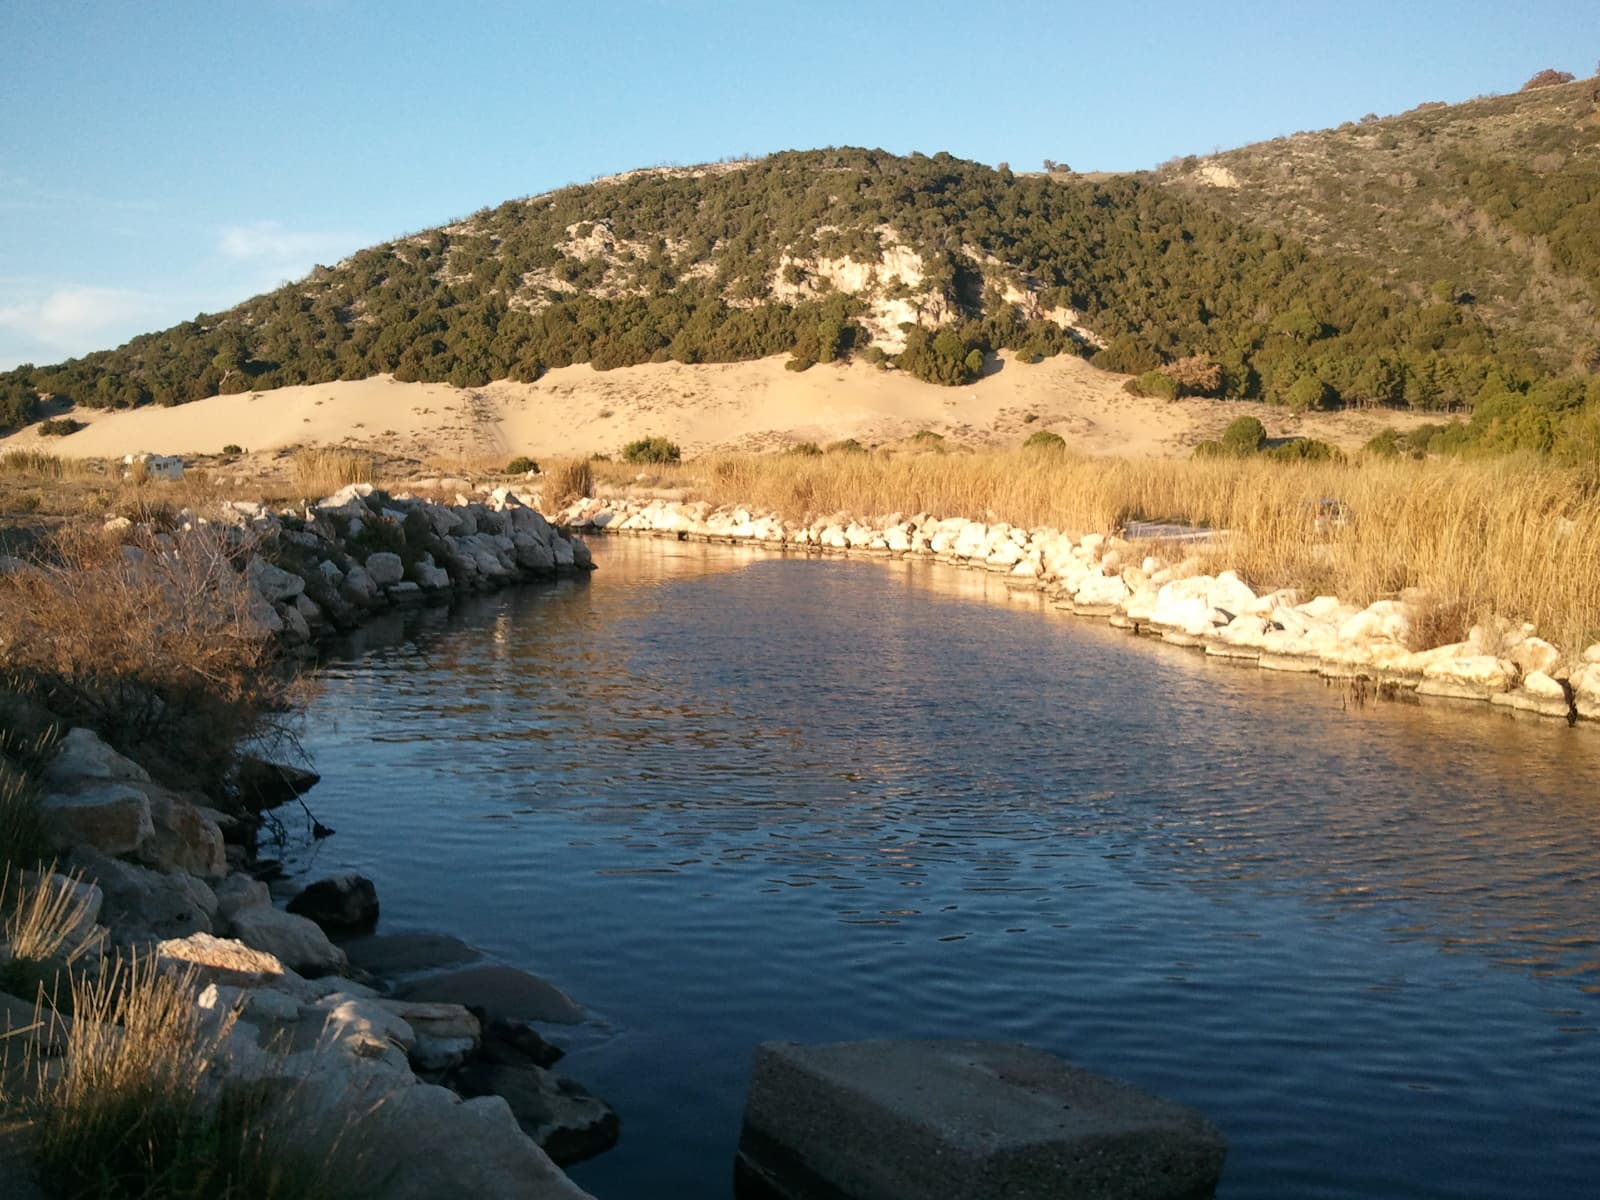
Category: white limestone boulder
<point>110,817</point>
<point>296,941</point>
<point>1100,592</point>
<point>1468,677</point>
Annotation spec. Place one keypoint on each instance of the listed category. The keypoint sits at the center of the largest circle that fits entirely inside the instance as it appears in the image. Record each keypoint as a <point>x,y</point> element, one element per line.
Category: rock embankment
<point>361,1056</point>
<point>324,567</point>
<point>1167,593</point>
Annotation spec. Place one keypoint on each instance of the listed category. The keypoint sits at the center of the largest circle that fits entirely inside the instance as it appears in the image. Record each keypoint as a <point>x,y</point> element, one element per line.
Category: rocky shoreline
<point>409,1060</point>
<point>1162,592</point>
<point>364,1030</point>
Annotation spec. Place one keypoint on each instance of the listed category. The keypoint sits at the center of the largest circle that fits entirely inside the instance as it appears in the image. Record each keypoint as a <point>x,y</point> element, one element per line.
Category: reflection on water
<point>725,797</point>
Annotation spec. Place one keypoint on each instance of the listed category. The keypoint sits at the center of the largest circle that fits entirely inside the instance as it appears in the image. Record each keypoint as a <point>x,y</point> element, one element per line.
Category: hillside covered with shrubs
<point>1277,283</point>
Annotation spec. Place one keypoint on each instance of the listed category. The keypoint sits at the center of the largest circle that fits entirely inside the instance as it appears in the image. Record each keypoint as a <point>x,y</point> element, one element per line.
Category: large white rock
<point>82,757</point>
<point>1100,591</point>
<point>1386,619</point>
<point>142,901</point>
<point>424,1142</point>
<point>185,836</point>
<point>1470,677</point>
<point>1586,690</point>
<point>1231,594</point>
<point>223,961</point>
<point>299,943</point>
<point>1534,654</point>
<point>1185,605</point>
<point>385,567</point>
<point>273,583</point>
<point>111,817</point>
<point>239,892</point>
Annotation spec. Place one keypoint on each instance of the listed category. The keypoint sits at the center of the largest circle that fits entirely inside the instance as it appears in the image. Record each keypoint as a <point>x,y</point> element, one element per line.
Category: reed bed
<point>321,471</point>
<point>566,480</point>
<point>1509,536</point>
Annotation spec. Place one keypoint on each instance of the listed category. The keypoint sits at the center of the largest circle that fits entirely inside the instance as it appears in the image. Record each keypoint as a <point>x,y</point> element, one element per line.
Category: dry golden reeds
<point>320,471</point>
<point>566,480</point>
<point>1507,536</point>
<point>43,912</point>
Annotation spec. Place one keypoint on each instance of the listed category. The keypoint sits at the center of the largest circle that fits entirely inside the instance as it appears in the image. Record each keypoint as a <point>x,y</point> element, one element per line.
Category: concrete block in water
<point>930,1120</point>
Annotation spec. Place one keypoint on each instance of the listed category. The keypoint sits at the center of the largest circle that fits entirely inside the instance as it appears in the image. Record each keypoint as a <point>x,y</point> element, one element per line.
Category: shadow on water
<point>725,796</point>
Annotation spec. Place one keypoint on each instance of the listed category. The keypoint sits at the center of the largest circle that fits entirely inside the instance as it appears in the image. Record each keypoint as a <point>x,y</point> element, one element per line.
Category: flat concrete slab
<point>930,1120</point>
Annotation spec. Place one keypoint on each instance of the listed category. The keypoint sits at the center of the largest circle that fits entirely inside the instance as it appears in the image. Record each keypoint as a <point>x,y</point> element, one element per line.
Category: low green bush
<point>59,427</point>
<point>521,465</point>
<point>651,450</point>
<point>1043,439</point>
<point>1305,450</point>
<point>1153,384</point>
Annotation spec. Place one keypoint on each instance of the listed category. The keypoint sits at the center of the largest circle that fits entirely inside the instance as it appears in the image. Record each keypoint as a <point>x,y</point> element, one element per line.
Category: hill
<point>1309,272</point>
<point>1493,203</point>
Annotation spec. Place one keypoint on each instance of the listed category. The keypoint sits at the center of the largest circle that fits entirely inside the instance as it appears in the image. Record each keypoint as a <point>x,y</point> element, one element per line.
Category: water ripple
<point>725,799</point>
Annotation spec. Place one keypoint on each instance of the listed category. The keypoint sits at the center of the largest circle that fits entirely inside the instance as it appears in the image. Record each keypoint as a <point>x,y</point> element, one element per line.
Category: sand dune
<point>745,406</point>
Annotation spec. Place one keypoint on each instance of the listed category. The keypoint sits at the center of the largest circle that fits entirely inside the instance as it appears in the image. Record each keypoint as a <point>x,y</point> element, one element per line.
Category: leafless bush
<point>154,645</point>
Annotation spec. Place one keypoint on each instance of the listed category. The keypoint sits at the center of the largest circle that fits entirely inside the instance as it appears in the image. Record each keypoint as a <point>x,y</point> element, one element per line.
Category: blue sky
<point>160,158</point>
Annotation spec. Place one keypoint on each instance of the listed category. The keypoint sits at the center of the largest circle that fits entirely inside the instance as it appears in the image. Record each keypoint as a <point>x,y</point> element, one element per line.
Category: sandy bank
<point>726,406</point>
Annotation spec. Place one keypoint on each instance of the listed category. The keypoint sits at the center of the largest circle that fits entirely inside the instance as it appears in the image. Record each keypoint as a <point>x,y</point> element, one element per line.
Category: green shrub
<point>1153,384</point>
<point>1305,450</point>
<point>800,363</point>
<point>1308,393</point>
<point>805,449</point>
<point>59,427</point>
<point>1385,445</point>
<point>1243,437</point>
<point>1043,439</point>
<point>651,450</point>
<point>1211,448</point>
<point>521,465</point>
<point>927,437</point>
<point>847,446</point>
<point>233,450</point>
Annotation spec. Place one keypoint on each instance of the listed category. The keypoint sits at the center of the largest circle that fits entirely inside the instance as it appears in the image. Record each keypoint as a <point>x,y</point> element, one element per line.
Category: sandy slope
<point>750,405</point>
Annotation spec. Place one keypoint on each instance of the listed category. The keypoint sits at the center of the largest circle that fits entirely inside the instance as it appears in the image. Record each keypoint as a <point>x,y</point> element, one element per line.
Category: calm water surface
<point>723,798</point>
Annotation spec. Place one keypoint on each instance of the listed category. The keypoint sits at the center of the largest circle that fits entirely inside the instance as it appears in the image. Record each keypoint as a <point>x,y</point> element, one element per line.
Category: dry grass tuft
<point>565,481</point>
<point>32,463</point>
<point>322,471</point>
<point>42,914</point>
<point>1507,536</point>
<point>125,1115</point>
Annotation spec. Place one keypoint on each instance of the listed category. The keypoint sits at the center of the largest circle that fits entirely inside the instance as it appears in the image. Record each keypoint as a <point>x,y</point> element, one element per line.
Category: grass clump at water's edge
<point>125,1113</point>
<point>1511,536</point>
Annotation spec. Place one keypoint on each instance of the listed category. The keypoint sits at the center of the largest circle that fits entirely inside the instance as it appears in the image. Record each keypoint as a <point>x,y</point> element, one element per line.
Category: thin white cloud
<point>79,319</point>
<point>269,241</point>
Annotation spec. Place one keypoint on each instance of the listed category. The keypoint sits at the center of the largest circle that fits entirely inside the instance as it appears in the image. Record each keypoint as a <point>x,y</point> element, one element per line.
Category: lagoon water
<point>723,797</point>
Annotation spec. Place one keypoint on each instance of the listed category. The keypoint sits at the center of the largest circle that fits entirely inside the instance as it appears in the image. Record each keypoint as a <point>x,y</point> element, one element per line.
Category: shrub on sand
<point>651,450</point>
